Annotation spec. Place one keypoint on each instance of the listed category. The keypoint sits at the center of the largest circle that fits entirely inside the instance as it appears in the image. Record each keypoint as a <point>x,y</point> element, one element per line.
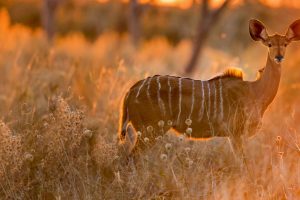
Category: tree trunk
<point>133,22</point>
<point>49,7</point>
<point>208,19</point>
<point>198,45</point>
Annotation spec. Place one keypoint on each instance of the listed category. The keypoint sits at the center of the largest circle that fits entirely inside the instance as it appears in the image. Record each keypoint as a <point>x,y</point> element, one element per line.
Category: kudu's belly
<point>145,118</point>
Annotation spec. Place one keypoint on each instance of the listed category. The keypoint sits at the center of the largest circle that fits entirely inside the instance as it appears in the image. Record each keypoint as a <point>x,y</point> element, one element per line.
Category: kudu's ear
<point>293,33</point>
<point>257,30</point>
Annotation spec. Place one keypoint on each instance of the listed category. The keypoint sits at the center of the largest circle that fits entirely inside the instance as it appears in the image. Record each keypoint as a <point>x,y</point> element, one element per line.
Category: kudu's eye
<point>285,45</point>
<point>269,45</point>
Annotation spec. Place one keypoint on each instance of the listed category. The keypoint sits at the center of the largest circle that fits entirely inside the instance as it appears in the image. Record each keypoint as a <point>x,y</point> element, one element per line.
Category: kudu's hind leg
<point>126,146</point>
<point>236,145</point>
<point>135,141</point>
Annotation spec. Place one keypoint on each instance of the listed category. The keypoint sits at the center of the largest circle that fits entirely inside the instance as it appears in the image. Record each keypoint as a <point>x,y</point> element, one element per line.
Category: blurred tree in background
<point>141,21</point>
<point>134,25</point>
<point>208,19</point>
<point>48,12</point>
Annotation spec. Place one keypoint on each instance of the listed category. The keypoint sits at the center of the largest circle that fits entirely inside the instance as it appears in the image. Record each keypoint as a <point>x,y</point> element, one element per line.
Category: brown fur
<point>223,106</point>
<point>234,72</point>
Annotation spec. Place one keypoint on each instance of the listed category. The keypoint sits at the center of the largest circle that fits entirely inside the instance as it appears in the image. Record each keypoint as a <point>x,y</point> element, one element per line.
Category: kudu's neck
<point>266,86</point>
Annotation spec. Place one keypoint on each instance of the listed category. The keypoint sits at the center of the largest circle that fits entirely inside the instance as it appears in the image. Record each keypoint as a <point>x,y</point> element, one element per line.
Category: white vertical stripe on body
<point>201,111</point>
<point>148,89</point>
<point>170,96</point>
<point>138,93</point>
<point>208,103</point>
<point>193,98</point>
<point>221,99</point>
<point>215,100</point>
<point>180,98</point>
<point>160,102</point>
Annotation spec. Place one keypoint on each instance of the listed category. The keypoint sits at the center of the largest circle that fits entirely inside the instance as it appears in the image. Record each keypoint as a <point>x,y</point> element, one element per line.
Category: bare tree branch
<point>208,19</point>
<point>48,12</point>
<point>136,10</point>
<point>205,8</point>
<point>134,26</point>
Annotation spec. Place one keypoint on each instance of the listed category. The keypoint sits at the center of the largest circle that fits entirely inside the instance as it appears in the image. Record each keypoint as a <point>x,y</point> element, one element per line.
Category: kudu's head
<point>276,43</point>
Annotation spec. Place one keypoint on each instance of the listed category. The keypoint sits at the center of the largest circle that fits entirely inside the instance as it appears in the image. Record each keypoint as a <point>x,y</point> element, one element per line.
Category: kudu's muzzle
<point>279,58</point>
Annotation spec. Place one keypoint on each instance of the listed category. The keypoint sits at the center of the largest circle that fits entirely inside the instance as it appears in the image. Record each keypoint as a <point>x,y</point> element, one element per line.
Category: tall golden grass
<point>59,108</point>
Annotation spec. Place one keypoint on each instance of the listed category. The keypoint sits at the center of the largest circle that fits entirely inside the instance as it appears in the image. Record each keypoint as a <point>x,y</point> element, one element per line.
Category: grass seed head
<point>139,133</point>
<point>28,157</point>
<point>163,157</point>
<point>87,133</point>
<point>189,162</point>
<point>146,140</point>
<point>158,138</point>
<point>168,146</point>
<point>181,138</point>
<point>150,129</point>
<point>188,122</point>
<point>189,131</point>
<point>161,123</point>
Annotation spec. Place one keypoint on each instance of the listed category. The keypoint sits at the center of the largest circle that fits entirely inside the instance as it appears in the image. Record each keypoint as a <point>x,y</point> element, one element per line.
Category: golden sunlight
<point>175,3</point>
<point>179,3</point>
<point>278,3</point>
<point>215,3</point>
<point>168,1</point>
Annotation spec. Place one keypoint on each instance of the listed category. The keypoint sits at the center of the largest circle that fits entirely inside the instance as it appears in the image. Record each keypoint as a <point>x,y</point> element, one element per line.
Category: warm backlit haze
<point>60,98</point>
<point>214,3</point>
<point>177,3</point>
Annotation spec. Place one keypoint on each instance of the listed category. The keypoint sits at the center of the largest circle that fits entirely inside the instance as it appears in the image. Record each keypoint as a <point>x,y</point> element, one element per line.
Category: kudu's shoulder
<point>230,74</point>
<point>231,78</point>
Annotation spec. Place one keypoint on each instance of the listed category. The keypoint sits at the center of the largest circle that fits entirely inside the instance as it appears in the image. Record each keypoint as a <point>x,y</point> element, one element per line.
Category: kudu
<point>224,106</point>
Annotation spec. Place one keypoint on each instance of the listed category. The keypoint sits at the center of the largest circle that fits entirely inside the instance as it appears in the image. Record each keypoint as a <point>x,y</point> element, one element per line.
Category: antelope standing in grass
<point>224,106</point>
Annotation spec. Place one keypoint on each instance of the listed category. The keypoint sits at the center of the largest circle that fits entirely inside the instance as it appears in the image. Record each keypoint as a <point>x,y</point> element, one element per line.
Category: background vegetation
<point>59,105</point>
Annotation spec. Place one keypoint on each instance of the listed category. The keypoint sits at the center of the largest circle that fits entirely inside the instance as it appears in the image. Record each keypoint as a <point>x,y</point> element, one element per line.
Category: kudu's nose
<point>279,58</point>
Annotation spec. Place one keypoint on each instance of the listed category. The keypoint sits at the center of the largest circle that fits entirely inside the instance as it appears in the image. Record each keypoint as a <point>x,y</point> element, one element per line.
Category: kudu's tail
<point>127,133</point>
<point>124,119</point>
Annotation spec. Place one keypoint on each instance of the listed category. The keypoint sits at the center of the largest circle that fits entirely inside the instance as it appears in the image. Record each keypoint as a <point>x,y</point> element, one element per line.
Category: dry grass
<point>59,110</point>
